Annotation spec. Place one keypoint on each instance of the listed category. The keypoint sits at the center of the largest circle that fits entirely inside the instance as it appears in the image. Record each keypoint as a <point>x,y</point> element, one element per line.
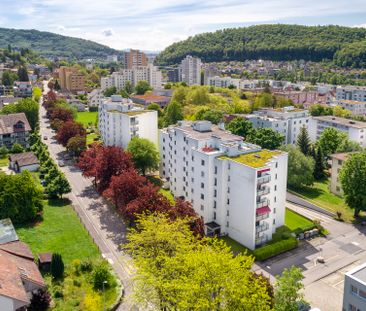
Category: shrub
<point>57,266</point>
<point>40,300</point>
<point>58,293</point>
<point>76,283</point>
<point>86,266</point>
<point>276,248</point>
<point>101,274</point>
<point>3,152</point>
<point>17,148</point>
<point>76,264</point>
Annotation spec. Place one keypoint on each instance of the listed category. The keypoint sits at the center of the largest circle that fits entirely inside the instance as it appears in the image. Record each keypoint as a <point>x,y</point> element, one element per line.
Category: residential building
<point>357,93</point>
<point>209,72</point>
<point>22,89</point>
<point>118,79</point>
<point>174,74</point>
<point>337,162</point>
<point>19,275</point>
<point>148,99</point>
<point>355,130</point>
<point>357,108</point>
<point>20,162</point>
<point>134,58</point>
<point>223,82</point>
<point>299,97</point>
<point>287,121</point>
<point>14,128</point>
<point>112,58</point>
<point>120,120</point>
<point>95,98</point>
<point>191,70</point>
<point>238,189</point>
<point>354,294</point>
<point>71,79</point>
<point>77,104</point>
<point>6,100</point>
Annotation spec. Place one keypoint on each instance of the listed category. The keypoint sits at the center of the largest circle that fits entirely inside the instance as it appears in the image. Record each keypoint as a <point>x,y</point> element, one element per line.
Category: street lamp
<point>104,282</point>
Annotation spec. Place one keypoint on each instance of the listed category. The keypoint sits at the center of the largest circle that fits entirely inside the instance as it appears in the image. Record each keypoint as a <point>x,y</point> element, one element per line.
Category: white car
<point>61,163</point>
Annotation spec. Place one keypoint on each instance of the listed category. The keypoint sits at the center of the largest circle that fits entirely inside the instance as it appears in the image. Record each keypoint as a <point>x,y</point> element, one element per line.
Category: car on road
<point>45,137</point>
<point>61,163</point>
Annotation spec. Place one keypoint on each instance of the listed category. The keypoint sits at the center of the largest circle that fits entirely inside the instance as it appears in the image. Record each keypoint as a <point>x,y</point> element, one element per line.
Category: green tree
<point>266,138</point>
<point>319,167</point>
<point>3,152</point>
<point>348,146</point>
<point>101,274</point>
<point>303,141</point>
<point>300,167</point>
<point>330,140</point>
<point>17,148</point>
<point>144,154</point>
<point>173,113</point>
<point>240,126</point>
<point>288,288</point>
<point>9,78</point>
<point>57,266</point>
<point>23,73</point>
<point>353,180</point>
<point>76,145</point>
<point>208,114</point>
<point>142,87</point>
<point>27,105</point>
<point>156,107</point>
<point>108,92</point>
<point>128,88</point>
<point>58,186</point>
<point>37,93</point>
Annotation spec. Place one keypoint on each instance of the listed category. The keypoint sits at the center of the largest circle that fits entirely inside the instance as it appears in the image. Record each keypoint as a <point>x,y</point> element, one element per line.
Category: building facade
<point>22,89</point>
<point>236,187</point>
<point>14,128</point>
<point>337,163</point>
<point>190,68</point>
<point>356,108</point>
<point>287,121</point>
<point>223,82</point>
<point>120,120</point>
<point>355,130</point>
<point>354,294</point>
<point>357,93</point>
<point>71,79</point>
<point>134,58</point>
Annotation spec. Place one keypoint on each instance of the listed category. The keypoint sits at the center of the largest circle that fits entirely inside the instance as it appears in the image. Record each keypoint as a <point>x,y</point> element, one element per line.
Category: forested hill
<point>52,45</point>
<point>345,45</point>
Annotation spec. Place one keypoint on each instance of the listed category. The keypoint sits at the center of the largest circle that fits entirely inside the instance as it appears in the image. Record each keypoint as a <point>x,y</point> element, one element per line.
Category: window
<point>214,204</point>
<point>227,224</point>
<point>228,167</point>
<point>202,196</point>
<point>214,215</point>
<point>201,207</point>
<point>339,162</point>
<point>202,174</point>
<point>202,185</point>
<point>274,221</point>
<point>275,199</point>
<point>215,193</point>
<point>354,289</point>
<point>228,189</point>
<point>228,201</point>
<point>276,176</point>
<point>274,211</point>
<point>275,188</point>
<point>215,169</point>
<point>215,182</point>
<point>192,158</point>
<point>351,308</point>
<point>227,213</point>
<point>202,162</point>
<point>276,164</point>
<point>362,294</point>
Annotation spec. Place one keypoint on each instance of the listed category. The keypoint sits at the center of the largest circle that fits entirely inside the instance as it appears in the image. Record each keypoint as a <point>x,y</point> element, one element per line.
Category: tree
<point>142,87</point>
<point>76,145</point>
<point>27,105</point>
<point>37,93</point>
<point>68,130</point>
<point>353,180</point>
<point>57,266</point>
<point>57,86</point>
<point>92,302</point>
<point>156,107</point>
<point>175,269</point>
<point>240,126</point>
<point>300,167</point>
<point>330,140</point>
<point>319,167</point>
<point>87,161</point>
<point>3,152</point>
<point>108,92</point>
<point>17,148</point>
<point>101,276</point>
<point>23,74</point>
<point>9,78</point>
<point>266,138</point>
<point>214,116</point>
<point>61,114</point>
<point>128,88</point>
<point>173,113</point>
<point>348,146</point>
<point>144,154</point>
<point>40,300</point>
<point>288,290</point>
<point>303,141</point>
<point>58,186</point>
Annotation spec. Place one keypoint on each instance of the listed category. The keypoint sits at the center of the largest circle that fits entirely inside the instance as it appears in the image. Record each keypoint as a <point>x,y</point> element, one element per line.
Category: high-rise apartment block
<point>190,68</point>
<point>71,79</point>
<point>237,188</point>
<point>134,58</point>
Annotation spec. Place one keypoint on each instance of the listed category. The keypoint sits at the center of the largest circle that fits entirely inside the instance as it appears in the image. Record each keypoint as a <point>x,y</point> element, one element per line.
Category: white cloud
<point>107,32</point>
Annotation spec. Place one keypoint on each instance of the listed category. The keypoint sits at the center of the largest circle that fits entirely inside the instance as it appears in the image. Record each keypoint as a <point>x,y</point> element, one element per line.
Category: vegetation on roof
<point>255,159</point>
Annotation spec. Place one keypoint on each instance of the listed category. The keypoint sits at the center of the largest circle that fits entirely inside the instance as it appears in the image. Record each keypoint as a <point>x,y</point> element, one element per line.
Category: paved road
<point>344,248</point>
<point>103,223</point>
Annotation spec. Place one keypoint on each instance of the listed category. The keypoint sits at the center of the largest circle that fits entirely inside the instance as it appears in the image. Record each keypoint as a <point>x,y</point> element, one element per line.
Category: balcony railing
<point>261,240</point>
<point>262,217</point>
<point>264,179</point>
<point>262,203</point>
<point>134,128</point>
<point>263,227</point>
<point>263,191</point>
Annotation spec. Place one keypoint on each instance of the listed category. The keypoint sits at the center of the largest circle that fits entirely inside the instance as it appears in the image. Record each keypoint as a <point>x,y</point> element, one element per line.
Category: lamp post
<point>104,282</point>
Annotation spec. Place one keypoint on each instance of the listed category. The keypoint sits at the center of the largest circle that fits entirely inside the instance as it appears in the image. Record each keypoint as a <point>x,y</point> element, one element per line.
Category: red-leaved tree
<point>69,129</point>
<point>87,161</point>
<point>61,114</point>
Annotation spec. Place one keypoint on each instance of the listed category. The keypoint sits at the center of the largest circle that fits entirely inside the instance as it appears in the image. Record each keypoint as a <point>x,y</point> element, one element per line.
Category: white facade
<point>287,121</point>
<point>120,120</point>
<point>237,188</point>
<point>355,107</point>
<point>191,70</point>
<point>222,81</point>
<point>355,130</point>
<point>149,73</point>
<point>357,93</point>
<point>95,98</point>
<point>354,294</point>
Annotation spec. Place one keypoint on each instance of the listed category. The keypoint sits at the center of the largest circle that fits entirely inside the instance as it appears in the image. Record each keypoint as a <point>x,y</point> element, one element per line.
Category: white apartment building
<point>357,93</point>
<point>222,81</point>
<point>190,68</point>
<point>287,121</point>
<point>354,294</point>
<point>337,163</point>
<point>120,120</point>
<point>148,73</point>
<point>238,189</point>
<point>95,98</point>
<point>355,130</point>
<point>357,108</point>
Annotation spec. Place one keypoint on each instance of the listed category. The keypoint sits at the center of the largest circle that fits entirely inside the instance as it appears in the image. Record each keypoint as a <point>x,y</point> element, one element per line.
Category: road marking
<point>355,243</point>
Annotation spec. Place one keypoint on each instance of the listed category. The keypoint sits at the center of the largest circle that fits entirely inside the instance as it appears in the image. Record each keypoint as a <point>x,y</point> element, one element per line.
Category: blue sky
<point>154,24</point>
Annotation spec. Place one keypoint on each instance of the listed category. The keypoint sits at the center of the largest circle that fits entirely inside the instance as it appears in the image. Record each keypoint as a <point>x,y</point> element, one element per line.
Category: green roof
<point>254,159</point>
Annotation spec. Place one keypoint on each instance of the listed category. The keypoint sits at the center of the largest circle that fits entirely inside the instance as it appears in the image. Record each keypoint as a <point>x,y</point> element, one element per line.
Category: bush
<point>57,266</point>
<point>3,152</point>
<point>17,148</point>
<point>86,266</point>
<point>101,274</point>
<point>58,293</point>
<point>276,248</point>
<point>40,300</point>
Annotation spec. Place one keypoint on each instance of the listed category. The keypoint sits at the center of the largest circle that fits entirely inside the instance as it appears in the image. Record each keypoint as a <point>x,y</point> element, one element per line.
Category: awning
<point>263,210</point>
<point>264,170</point>
<point>212,225</point>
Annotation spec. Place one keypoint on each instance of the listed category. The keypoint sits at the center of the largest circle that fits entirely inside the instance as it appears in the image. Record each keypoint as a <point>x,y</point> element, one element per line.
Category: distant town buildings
<point>356,108</point>
<point>354,293</point>
<point>14,128</point>
<point>95,98</point>
<point>299,97</point>
<point>174,74</point>
<point>286,121</point>
<point>71,79</point>
<point>190,68</point>
<point>355,130</point>
<point>134,58</point>
<point>120,120</point>
<point>112,58</point>
<point>22,89</point>
<point>148,99</point>
<point>357,93</point>
<point>236,187</point>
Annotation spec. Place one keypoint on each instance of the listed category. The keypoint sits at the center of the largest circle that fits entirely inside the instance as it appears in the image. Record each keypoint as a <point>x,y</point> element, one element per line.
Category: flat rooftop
<point>254,159</point>
<point>341,121</point>
<point>359,273</point>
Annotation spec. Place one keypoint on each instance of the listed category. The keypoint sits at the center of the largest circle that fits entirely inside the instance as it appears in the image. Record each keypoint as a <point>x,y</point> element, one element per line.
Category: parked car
<point>61,163</point>
<point>45,137</point>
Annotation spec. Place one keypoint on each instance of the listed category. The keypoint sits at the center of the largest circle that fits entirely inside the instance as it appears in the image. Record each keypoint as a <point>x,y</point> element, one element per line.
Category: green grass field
<point>61,232</point>
<point>87,117</point>
<point>4,161</point>
<point>320,195</point>
<point>295,221</point>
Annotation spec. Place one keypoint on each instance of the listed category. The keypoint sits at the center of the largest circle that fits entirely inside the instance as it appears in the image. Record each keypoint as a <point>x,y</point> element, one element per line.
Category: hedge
<point>276,248</point>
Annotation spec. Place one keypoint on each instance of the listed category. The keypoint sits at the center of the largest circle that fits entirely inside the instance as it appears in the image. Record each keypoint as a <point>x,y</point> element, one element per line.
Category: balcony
<point>260,240</point>
<point>262,203</point>
<point>263,191</point>
<point>134,122</point>
<point>264,179</point>
<point>263,227</point>
<point>262,217</point>
<point>134,128</point>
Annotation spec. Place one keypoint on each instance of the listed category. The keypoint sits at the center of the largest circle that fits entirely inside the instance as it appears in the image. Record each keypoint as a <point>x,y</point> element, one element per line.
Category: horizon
<point>153,26</point>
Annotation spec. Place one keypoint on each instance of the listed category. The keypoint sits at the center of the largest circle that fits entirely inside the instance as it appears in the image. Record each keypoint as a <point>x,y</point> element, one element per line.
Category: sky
<point>152,25</point>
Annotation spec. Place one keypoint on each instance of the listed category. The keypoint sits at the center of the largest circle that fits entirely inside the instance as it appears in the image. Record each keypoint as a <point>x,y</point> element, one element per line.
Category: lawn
<point>235,246</point>
<point>295,221</point>
<point>60,231</point>
<point>87,117</point>
<point>320,195</point>
<point>4,161</point>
